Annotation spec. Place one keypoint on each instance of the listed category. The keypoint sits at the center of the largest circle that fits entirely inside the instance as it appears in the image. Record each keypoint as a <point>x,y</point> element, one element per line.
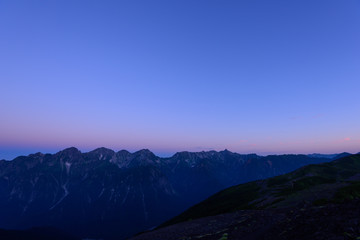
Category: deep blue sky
<point>249,76</point>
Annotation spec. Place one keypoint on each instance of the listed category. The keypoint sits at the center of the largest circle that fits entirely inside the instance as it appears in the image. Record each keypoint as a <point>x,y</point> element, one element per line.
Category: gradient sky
<point>250,76</point>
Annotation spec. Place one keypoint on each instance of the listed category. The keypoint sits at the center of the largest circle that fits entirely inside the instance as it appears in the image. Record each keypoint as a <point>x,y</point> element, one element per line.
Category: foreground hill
<point>332,221</point>
<point>42,233</point>
<point>314,202</point>
<point>107,194</point>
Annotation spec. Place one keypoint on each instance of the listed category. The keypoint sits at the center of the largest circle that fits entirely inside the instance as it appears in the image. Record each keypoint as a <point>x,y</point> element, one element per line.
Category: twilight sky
<point>250,76</point>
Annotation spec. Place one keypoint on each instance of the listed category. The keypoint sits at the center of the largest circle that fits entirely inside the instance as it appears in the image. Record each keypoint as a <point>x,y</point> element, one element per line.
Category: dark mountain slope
<point>315,202</point>
<point>332,221</point>
<point>333,181</point>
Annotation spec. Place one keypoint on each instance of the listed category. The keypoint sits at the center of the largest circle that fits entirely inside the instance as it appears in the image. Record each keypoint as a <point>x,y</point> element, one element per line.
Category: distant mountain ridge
<point>330,156</point>
<point>108,194</point>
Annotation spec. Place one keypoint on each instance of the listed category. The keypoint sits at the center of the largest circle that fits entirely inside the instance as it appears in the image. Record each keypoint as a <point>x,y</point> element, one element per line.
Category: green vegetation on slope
<point>349,192</point>
<point>312,183</point>
<point>228,200</point>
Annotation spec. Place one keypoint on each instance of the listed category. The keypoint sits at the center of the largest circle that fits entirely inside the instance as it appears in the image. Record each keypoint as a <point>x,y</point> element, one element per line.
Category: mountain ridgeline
<point>107,194</point>
<point>318,201</point>
<point>313,184</point>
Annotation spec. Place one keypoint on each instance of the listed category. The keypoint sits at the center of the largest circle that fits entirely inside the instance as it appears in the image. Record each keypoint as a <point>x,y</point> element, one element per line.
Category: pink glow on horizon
<point>164,143</point>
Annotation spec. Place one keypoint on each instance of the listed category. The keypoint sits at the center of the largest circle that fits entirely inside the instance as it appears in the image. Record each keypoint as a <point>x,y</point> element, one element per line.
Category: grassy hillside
<point>318,184</point>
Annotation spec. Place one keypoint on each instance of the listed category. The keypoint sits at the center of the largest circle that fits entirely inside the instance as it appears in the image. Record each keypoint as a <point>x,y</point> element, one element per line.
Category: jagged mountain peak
<point>38,154</point>
<point>228,153</point>
<point>69,154</point>
<point>144,157</point>
<point>194,159</point>
<point>181,154</point>
<point>70,150</point>
<point>210,154</point>
<point>144,152</point>
<point>103,150</point>
<point>101,153</point>
<point>123,152</point>
<point>201,154</point>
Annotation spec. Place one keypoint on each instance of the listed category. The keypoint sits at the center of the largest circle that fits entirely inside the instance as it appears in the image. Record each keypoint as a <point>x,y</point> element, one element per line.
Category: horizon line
<point>169,155</point>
